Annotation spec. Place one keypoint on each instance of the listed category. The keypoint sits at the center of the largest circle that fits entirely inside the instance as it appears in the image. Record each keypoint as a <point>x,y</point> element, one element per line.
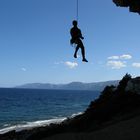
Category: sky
<point>35,46</point>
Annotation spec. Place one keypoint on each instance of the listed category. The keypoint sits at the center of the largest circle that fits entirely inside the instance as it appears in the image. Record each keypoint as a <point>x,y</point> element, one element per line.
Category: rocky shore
<point>114,115</point>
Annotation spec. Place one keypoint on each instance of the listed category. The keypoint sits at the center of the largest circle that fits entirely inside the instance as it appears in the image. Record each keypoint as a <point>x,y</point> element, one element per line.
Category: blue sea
<point>27,108</point>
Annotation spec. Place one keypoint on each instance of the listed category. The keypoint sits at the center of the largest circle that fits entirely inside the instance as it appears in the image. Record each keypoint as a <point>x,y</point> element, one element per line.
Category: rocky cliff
<point>133,85</point>
<point>134,5</point>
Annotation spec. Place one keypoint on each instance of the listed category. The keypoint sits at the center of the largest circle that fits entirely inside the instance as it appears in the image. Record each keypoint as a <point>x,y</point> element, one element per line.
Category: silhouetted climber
<point>76,39</point>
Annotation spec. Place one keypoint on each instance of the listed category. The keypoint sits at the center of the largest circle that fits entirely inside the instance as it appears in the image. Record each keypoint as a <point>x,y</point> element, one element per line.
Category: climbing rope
<point>77,10</point>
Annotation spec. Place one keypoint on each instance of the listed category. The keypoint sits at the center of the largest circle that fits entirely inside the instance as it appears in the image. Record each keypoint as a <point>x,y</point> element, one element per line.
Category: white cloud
<point>23,69</point>
<point>125,56</point>
<point>137,65</point>
<point>57,63</point>
<point>116,64</point>
<point>71,64</point>
<point>114,57</point>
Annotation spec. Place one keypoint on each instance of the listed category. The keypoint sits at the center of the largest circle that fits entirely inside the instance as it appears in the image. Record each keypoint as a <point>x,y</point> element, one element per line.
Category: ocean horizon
<point>27,108</point>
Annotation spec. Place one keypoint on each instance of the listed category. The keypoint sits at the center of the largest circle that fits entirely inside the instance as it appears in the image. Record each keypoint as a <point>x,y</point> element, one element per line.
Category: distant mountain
<point>98,86</point>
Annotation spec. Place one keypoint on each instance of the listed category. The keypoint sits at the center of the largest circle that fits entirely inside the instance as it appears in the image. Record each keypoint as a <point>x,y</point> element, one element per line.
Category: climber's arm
<point>80,34</point>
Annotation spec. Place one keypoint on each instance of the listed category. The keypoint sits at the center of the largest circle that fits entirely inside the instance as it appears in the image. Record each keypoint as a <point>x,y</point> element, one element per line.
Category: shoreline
<point>118,123</point>
<point>114,115</point>
<point>35,124</point>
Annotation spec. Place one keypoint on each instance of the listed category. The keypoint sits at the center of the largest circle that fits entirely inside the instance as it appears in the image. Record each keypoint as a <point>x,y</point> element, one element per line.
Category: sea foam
<point>30,125</point>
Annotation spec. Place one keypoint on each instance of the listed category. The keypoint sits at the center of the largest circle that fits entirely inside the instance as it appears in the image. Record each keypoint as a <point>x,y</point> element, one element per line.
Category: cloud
<point>116,64</point>
<point>23,69</point>
<point>113,57</point>
<point>57,63</point>
<point>136,65</point>
<point>124,56</point>
<point>71,64</point>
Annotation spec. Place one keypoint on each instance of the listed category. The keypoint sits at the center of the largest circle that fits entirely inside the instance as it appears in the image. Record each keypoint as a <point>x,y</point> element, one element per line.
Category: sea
<point>28,108</point>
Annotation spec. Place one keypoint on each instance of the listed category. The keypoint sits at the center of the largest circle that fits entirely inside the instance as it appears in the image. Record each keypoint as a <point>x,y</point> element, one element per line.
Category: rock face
<point>134,85</point>
<point>134,5</point>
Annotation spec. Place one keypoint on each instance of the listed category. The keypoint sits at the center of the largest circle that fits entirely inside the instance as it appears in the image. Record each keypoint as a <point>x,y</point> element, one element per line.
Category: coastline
<point>122,126</point>
<point>31,125</point>
<point>36,108</point>
<point>114,115</point>
<point>36,124</point>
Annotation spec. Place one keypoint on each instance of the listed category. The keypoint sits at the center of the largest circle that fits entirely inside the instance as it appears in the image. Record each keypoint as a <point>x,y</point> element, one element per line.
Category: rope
<point>77,10</point>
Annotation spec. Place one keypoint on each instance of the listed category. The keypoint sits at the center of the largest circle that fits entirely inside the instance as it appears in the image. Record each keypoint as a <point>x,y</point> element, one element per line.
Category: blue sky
<point>34,41</point>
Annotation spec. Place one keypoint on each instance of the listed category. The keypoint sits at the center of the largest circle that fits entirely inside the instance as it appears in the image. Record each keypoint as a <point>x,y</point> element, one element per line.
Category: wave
<point>30,125</point>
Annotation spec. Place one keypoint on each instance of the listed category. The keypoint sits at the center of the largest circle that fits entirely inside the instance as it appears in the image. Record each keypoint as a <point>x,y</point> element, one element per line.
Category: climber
<point>76,37</point>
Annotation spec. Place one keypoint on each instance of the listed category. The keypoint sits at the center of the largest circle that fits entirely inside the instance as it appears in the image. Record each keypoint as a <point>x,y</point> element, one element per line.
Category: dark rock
<point>134,5</point>
<point>8,136</point>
